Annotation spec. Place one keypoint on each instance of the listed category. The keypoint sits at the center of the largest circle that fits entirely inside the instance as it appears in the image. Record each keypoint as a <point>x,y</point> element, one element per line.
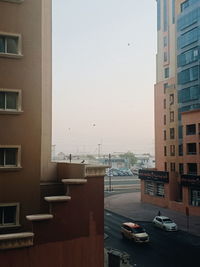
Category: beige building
<point>25,107</point>
<point>175,181</point>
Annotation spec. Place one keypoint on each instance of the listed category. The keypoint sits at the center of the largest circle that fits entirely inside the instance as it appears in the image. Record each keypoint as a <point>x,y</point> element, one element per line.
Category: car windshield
<point>138,230</point>
<point>167,221</point>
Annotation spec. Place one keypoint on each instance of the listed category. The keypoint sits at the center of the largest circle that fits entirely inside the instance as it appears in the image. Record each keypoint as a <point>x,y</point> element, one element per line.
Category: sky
<point>104,72</point>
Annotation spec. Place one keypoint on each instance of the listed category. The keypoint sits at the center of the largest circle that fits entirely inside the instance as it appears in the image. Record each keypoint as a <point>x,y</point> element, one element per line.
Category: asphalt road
<point>121,182</point>
<point>166,249</point>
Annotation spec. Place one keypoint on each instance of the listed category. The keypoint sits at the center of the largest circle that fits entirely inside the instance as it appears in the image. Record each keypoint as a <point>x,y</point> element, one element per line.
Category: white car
<point>165,223</point>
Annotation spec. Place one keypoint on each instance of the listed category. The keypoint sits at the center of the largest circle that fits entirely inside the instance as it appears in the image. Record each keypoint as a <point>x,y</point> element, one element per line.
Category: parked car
<point>165,223</point>
<point>134,232</point>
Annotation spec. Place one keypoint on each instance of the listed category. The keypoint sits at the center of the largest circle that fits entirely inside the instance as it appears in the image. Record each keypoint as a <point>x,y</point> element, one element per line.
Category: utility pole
<point>110,184</point>
<point>99,147</point>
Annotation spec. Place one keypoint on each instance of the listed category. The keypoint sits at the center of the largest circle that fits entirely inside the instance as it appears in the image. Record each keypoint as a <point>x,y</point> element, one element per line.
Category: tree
<point>130,157</point>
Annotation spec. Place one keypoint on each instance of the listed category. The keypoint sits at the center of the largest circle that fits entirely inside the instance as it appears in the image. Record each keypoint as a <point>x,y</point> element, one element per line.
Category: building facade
<point>177,109</point>
<point>46,208</point>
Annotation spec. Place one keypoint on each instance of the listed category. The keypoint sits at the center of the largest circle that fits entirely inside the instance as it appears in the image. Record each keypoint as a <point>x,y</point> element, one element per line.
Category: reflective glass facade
<point>158,15</point>
<point>188,56</point>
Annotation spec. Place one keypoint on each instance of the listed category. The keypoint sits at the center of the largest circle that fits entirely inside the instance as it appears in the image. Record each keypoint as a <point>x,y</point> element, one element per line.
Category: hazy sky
<point>103,75</point>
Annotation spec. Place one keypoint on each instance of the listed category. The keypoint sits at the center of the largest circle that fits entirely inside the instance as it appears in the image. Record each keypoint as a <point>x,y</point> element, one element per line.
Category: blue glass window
<point>188,57</point>
<point>2,44</point>
<point>184,5</point>
<point>189,94</point>
<point>173,11</point>
<point>180,131</point>
<point>158,15</point>
<point>188,3</point>
<point>165,41</point>
<point>165,57</point>
<point>188,75</point>
<point>188,38</point>
<point>165,16</point>
<point>189,19</point>
<point>166,73</point>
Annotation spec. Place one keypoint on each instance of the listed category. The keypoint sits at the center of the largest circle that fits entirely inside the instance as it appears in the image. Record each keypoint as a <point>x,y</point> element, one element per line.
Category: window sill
<point>10,112</point>
<point>16,168</point>
<point>10,226</point>
<point>13,1</point>
<point>15,56</point>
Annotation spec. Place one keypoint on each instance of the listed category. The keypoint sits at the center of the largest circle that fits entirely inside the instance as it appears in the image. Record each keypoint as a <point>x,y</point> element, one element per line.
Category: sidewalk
<point>129,205</point>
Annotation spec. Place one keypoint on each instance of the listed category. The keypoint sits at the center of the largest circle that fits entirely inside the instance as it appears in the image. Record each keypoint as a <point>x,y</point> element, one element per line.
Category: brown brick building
<point>53,212</point>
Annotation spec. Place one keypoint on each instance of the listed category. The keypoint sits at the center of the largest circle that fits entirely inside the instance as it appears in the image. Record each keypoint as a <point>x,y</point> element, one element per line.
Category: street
<point>166,249</point>
<point>121,182</point>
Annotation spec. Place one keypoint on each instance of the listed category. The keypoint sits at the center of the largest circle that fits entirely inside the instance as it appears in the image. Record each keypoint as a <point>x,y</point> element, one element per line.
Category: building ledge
<point>13,1</point>
<point>39,217</point>
<point>10,112</point>
<point>95,170</point>
<point>15,168</point>
<point>13,56</point>
<point>74,181</point>
<point>57,198</point>
<point>16,240</point>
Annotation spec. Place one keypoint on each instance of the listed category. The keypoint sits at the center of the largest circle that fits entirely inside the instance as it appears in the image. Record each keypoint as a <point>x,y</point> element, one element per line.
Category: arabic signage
<point>157,176</point>
<point>188,180</point>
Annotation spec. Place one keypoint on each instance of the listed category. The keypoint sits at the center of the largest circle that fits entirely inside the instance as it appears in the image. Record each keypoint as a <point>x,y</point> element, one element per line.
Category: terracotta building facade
<point>175,182</point>
<point>52,212</point>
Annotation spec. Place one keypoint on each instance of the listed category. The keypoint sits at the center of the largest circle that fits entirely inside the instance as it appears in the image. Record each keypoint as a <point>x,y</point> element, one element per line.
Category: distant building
<point>144,161</point>
<point>116,163</point>
<point>176,181</point>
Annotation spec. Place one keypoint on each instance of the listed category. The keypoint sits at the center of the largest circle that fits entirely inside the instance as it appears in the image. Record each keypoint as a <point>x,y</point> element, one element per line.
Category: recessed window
<point>165,57</point>
<point>172,150</point>
<point>195,197</point>
<point>191,149</point>
<point>9,157</point>
<point>191,129</point>
<point>10,44</point>
<point>165,120</point>
<point>166,73</point>
<point>173,166</point>
<point>160,190</point>
<point>164,103</point>
<point>192,168</point>
<point>9,215</point>
<point>172,133</point>
<point>10,100</point>
<point>171,99</point>
<point>180,150</point>
<point>165,151</point>
<point>165,134</point>
<point>166,166</point>
<point>149,188</point>
<point>181,168</point>
<point>165,87</point>
<point>171,116</point>
<point>165,41</point>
